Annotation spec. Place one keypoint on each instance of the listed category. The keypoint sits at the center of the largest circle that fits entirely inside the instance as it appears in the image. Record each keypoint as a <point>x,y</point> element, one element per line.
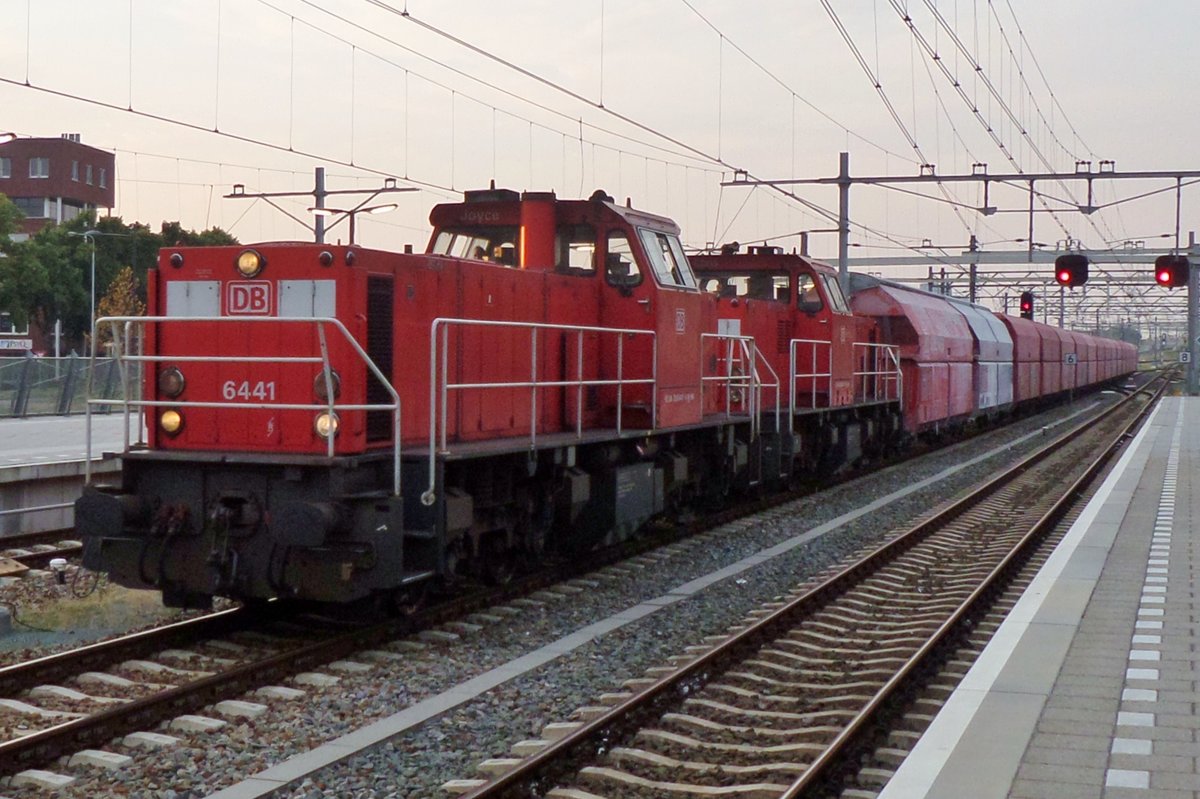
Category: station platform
<point>42,466</point>
<point>1089,687</point>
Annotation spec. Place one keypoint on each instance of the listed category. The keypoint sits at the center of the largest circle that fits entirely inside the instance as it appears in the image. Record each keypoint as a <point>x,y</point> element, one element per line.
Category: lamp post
<point>90,237</point>
<point>353,212</point>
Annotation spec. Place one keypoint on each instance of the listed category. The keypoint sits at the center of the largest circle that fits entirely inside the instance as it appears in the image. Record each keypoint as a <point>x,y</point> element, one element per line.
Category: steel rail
<point>26,540</point>
<point>45,746</point>
<point>49,668</point>
<point>819,768</point>
<point>624,717</point>
<point>37,560</point>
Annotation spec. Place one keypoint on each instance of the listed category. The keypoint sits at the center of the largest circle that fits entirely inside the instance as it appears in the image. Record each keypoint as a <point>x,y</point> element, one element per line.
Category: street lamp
<point>90,237</point>
<point>353,212</point>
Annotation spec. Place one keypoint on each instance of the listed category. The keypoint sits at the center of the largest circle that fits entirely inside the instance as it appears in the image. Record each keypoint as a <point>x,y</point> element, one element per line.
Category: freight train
<point>337,424</point>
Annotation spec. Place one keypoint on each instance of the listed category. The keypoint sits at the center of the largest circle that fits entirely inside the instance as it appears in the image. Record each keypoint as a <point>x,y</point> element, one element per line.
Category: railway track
<point>162,674</point>
<point>36,550</point>
<point>822,693</point>
<point>56,706</point>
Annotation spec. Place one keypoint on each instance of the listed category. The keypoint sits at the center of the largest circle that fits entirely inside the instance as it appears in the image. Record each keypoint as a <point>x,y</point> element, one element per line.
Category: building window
<point>103,179</point>
<point>39,167</point>
<point>5,167</point>
<point>32,207</point>
<point>88,173</point>
<point>75,171</point>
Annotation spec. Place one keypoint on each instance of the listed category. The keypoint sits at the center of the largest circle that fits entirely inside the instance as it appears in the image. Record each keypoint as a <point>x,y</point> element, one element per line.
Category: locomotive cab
<point>632,275</point>
<point>797,306</point>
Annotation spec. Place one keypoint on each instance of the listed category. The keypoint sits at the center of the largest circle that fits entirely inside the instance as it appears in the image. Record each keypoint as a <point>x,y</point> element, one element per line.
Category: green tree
<point>48,276</point>
<point>173,235</point>
<point>41,280</point>
<point>10,221</point>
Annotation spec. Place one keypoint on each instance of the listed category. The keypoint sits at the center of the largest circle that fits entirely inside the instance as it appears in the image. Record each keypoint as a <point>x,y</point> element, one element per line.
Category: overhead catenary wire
<point>993,92</point>
<point>542,80</point>
<point>931,52</point>
<point>432,185</point>
<point>795,95</point>
<point>883,96</point>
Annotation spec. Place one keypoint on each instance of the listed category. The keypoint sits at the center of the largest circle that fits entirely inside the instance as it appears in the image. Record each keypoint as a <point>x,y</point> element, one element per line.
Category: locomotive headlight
<point>171,382</point>
<point>319,385</point>
<point>171,422</point>
<point>326,424</point>
<point>250,263</point>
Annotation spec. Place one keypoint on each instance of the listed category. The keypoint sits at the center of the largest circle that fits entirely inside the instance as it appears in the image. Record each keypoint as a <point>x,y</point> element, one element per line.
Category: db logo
<point>244,298</point>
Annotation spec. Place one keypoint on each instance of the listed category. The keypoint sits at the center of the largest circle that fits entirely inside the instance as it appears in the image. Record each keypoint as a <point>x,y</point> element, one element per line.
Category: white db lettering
<point>248,299</point>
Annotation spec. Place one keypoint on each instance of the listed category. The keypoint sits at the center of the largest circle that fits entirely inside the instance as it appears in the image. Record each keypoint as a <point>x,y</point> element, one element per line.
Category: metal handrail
<point>751,379</point>
<point>440,387</point>
<point>889,375</point>
<point>774,384</point>
<point>36,509</point>
<point>814,376</point>
<point>122,333</point>
<point>735,346</point>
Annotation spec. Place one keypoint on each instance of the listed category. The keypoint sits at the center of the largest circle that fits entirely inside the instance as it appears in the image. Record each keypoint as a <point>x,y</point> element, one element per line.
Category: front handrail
<point>738,347</point>
<point>814,347</point>
<point>875,382</point>
<point>122,328</point>
<point>440,387</point>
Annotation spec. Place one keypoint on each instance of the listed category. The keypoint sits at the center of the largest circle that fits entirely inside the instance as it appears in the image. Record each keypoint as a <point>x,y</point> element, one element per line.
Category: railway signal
<point>1071,269</point>
<point>1026,304</point>
<point>1171,271</point>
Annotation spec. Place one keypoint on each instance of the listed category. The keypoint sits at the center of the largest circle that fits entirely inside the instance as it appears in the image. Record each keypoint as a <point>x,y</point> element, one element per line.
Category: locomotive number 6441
<point>245,390</point>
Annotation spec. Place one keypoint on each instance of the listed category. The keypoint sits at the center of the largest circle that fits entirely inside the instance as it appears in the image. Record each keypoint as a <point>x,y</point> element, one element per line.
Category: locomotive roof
<point>755,261</point>
<point>502,206</point>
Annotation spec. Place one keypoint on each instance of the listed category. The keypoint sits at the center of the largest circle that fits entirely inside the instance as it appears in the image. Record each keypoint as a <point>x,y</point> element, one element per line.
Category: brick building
<point>54,180</point>
<point>51,181</point>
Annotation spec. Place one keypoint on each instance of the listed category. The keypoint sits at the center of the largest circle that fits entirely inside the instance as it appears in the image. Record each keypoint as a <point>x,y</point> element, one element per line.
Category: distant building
<point>51,181</point>
<point>55,180</point>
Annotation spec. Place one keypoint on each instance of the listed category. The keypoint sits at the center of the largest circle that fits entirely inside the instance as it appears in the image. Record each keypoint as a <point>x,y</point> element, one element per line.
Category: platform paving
<point>1089,688</point>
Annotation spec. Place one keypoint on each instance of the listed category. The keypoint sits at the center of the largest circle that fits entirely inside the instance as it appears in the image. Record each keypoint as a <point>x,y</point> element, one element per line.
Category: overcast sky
<point>690,89</point>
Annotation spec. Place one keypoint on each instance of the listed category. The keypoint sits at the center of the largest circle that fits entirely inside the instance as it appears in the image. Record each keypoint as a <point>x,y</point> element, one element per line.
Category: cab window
<point>757,286</point>
<point>497,244</point>
<point>575,249</point>
<point>620,268</point>
<point>834,291</point>
<point>808,299</point>
<point>667,259</point>
<point>766,286</point>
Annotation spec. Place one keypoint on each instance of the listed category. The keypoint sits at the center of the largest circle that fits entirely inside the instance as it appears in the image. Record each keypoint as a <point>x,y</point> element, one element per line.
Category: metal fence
<point>56,386</point>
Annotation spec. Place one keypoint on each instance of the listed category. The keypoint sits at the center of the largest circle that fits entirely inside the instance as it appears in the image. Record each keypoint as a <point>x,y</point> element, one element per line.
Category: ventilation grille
<point>783,336</point>
<point>379,348</point>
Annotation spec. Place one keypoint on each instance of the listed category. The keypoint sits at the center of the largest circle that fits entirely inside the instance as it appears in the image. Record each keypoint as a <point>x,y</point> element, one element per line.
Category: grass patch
<point>110,607</point>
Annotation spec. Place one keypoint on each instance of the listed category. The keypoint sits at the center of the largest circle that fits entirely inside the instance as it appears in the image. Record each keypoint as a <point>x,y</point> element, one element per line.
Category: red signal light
<point>1171,271</point>
<point>1071,269</point>
<point>1026,304</point>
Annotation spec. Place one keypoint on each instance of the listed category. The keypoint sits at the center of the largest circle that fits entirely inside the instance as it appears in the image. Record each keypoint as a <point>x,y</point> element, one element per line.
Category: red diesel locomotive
<point>333,423</point>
